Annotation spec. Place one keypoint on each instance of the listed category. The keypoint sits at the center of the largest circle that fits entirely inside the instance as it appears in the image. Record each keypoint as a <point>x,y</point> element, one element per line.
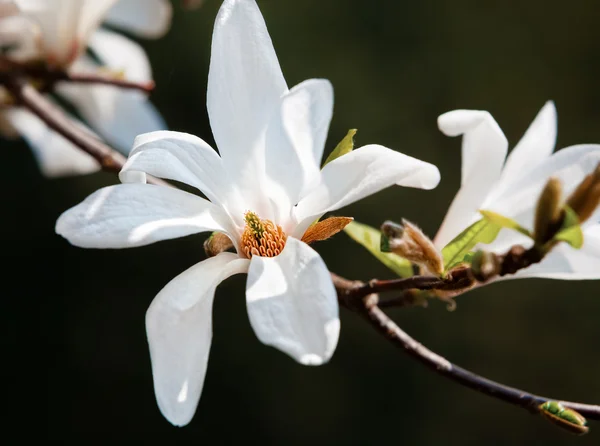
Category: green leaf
<point>370,238</point>
<point>504,222</point>
<point>570,232</point>
<point>458,250</point>
<point>346,145</point>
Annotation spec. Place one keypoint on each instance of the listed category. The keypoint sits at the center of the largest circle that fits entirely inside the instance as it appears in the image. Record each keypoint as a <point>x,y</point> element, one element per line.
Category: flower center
<point>261,237</point>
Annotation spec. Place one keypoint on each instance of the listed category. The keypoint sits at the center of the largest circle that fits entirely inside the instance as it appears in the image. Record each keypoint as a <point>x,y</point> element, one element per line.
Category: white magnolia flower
<point>512,187</point>
<point>265,190</point>
<point>58,32</point>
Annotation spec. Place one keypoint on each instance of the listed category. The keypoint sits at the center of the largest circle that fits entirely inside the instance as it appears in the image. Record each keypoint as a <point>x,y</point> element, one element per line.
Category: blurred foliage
<point>73,320</point>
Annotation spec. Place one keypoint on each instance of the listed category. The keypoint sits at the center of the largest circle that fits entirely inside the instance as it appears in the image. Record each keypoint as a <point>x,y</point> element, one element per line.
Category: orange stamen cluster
<point>261,237</point>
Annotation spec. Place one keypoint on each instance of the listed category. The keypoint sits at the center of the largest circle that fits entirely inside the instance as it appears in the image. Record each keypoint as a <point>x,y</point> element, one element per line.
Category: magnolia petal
<point>118,114</point>
<point>570,165</point>
<point>55,155</point>
<point>358,174</point>
<point>296,139</point>
<point>245,84</point>
<point>484,149</point>
<point>179,329</point>
<point>144,18</point>
<point>292,303</point>
<point>536,144</point>
<point>128,215</point>
<point>187,159</point>
<point>121,55</point>
<point>65,25</point>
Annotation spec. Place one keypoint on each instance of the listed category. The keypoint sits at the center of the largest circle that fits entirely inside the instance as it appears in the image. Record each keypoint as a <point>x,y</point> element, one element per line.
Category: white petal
<point>484,149</point>
<point>187,159</point>
<point>567,263</point>
<point>128,215</point>
<point>569,166</point>
<point>179,329</point>
<point>56,156</point>
<point>292,303</point>
<point>296,139</point>
<point>144,18</point>
<point>121,54</point>
<point>245,84</point>
<point>360,173</point>
<point>119,115</point>
<point>536,144</point>
<point>65,24</point>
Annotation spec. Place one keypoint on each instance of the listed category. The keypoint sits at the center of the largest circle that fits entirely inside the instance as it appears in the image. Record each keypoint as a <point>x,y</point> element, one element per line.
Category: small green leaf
<point>346,145</point>
<point>458,250</point>
<point>370,238</point>
<point>570,232</point>
<point>504,222</point>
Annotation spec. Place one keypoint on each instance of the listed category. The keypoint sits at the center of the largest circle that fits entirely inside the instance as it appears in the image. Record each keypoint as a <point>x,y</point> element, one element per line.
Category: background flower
<point>58,32</point>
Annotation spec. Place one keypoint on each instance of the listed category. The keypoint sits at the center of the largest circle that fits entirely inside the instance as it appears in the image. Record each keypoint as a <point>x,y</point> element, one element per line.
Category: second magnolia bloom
<point>511,186</point>
<point>264,191</point>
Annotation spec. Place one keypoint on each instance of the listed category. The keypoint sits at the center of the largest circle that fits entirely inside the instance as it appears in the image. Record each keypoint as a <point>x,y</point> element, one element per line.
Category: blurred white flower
<point>65,35</point>
<point>265,190</point>
<point>512,188</point>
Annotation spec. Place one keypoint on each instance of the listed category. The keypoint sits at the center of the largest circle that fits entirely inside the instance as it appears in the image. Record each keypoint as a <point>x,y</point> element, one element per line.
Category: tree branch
<point>368,307</point>
<point>54,118</point>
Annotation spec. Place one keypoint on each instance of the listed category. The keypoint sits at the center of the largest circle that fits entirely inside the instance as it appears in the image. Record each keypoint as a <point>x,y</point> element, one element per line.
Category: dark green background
<point>76,361</point>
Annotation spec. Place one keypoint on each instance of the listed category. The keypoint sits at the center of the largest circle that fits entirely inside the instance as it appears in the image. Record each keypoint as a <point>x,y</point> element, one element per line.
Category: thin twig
<point>380,321</point>
<point>93,78</point>
<point>42,72</point>
<point>54,118</point>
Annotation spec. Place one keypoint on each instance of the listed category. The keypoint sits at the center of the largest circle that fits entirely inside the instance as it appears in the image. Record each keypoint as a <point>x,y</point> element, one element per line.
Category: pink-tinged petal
<point>245,84</point>
<point>484,149</point>
<point>292,303</point>
<point>145,18</point>
<point>128,215</point>
<point>55,155</point>
<point>536,144</point>
<point>296,139</point>
<point>360,173</point>
<point>187,159</point>
<point>179,329</point>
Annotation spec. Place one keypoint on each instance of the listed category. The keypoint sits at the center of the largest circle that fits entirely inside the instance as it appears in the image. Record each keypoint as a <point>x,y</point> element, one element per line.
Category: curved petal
<point>144,18</point>
<point>188,159</point>
<point>65,24</point>
<point>121,54</point>
<point>128,215</point>
<point>119,115</point>
<point>567,263</point>
<point>536,144</point>
<point>570,165</point>
<point>296,139</point>
<point>292,303</point>
<point>55,155</point>
<point>179,329</point>
<point>484,149</point>
<point>245,84</point>
<point>358,174</point>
